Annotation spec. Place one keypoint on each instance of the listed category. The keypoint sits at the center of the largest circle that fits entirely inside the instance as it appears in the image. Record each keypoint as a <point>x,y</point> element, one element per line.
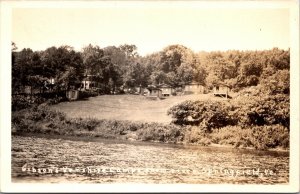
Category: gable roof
<point>152,87</point>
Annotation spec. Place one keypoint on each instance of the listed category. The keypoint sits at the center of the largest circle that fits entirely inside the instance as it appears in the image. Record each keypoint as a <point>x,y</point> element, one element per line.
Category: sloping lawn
<point>125,107</point>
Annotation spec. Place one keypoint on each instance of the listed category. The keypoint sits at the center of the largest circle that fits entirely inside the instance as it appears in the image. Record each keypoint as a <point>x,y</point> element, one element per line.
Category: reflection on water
<point>104,161</point>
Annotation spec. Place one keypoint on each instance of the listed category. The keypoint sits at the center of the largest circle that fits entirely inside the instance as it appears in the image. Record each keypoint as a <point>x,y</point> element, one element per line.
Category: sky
<point>152,29</point>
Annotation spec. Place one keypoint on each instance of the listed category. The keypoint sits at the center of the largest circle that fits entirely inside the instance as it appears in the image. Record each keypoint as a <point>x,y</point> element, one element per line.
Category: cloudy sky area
<point>152,29</point>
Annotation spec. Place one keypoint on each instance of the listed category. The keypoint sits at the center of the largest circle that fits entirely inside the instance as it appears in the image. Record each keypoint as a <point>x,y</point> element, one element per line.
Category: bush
<point>22,101</point>
<point>262,110</point>
<point>160,132</point>
<point>88,124</point>
<point>261,122</point>
<point>232,135</point>
<point>37,118</point>
<point>209,114</point>
<point>196,135</point>
<point>264,137</point>
<point>246,111</point>
<point>259,137</point>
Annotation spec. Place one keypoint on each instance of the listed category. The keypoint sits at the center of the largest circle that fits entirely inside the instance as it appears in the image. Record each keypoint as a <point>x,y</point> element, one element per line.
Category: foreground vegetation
<point>215,126</point>
<point>41,119</point>
<point>259,122</point>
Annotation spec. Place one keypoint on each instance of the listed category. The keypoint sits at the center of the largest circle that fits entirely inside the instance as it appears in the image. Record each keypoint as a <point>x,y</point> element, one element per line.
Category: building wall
<point>88,84</point>
<point>167,91</point>
<point>221,89</point>
<point>155,93</point>
<point>72,94</point>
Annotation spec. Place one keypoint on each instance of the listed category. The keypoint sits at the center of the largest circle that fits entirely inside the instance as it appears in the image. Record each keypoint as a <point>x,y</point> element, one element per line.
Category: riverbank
<point>42,120</point>
<point>137,142</point>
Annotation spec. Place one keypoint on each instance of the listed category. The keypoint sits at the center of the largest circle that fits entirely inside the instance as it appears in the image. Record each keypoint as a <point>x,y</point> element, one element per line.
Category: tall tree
<point>100,66</point>
<point>179,63</point>
<point>64,65</point>
<point>21,68</point>
<point>130,50</point>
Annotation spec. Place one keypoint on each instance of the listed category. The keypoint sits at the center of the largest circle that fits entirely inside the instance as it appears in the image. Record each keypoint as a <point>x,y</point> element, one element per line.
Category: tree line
<point>119,67</point>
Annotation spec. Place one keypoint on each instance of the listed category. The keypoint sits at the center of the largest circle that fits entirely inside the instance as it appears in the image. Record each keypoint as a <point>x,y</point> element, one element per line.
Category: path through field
<point>125,107</point>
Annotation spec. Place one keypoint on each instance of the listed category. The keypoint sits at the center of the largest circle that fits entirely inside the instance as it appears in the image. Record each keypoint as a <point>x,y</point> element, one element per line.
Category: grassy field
<point>125,107</point>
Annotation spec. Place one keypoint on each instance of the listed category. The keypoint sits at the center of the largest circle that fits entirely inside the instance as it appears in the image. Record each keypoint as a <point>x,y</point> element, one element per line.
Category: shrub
<point>37,118</point>
<point>246,111</point>
<point>232,135</point>
<point>262,110</point>
<point>264,137</point>
<point>87,124</point>
<point>209,114</point>
<point>259,137</point>
<point>160,132</point>
<point>261,122</point>
<point>22,101</point>
<point>196,135</point>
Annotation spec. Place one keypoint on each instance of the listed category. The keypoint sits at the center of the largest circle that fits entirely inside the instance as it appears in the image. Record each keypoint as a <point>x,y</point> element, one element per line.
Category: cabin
<point>194,88</point>
<point>166,90</point>
<point>72,94</point>
<point>88,83</point>
<point>154,92</point>
<point>221,90</point>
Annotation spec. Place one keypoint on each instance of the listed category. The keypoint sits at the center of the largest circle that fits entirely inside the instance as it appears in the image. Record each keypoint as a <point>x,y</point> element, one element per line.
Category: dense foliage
<point>118,67</point>
<point>258,137</point>
<point>209,114</point>
<point>245,112</point>
<point>259,119</point>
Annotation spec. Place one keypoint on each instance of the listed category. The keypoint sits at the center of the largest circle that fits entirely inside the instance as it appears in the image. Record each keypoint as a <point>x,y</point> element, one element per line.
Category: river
<point>61,160</point>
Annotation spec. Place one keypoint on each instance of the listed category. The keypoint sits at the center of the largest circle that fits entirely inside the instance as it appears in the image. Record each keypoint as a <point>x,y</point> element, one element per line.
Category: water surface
<point>54,160</point>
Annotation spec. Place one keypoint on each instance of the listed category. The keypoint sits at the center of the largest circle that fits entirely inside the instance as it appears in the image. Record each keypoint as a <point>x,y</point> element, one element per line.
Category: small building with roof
<point>194,88</point>
<point>154,92</point>
<point>221,90</point>
<point>166,90</point>
<point>88,83</point>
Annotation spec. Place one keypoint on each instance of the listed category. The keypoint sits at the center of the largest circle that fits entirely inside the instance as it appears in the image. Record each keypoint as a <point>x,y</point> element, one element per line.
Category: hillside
<point>125,107</point>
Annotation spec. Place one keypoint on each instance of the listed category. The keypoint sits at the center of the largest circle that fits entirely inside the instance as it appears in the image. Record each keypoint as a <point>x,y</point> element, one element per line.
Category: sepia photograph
<point>150,95</point>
